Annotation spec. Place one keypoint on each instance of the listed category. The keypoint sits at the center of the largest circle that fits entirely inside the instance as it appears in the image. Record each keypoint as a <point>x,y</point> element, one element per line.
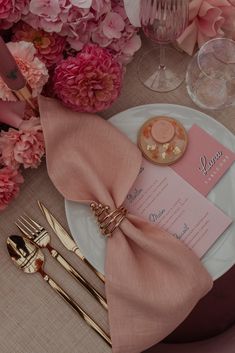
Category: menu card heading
<point>205,161</point>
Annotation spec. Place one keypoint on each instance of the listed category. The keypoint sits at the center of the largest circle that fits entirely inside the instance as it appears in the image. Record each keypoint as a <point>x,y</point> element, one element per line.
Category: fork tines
<point>28,226</point>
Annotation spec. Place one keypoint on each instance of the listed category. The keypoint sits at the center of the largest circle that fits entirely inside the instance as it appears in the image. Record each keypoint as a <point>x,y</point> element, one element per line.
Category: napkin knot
<point>108,220</point>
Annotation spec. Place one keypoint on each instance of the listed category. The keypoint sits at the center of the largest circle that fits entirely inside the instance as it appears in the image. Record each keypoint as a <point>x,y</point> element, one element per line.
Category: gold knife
<point>66,239</point>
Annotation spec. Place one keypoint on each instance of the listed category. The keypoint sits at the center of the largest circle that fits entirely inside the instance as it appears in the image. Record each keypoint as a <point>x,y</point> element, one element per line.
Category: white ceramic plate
<point>221,256</point>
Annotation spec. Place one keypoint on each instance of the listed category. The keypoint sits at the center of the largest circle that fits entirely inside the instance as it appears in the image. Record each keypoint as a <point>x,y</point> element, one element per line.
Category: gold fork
<point>39,235</point>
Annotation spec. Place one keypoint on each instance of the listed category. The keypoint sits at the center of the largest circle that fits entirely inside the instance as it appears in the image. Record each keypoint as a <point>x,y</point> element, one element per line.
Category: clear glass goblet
<point>210,78</point>
<point>163,68</point>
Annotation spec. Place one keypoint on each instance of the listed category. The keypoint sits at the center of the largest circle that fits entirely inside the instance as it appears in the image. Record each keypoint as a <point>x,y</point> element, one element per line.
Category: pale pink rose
<point>208,19</point>
<point>113,25</point>
<point>24,146</point>
<point>90,82</point>
<point>33,69</point>
<point>10,180</point>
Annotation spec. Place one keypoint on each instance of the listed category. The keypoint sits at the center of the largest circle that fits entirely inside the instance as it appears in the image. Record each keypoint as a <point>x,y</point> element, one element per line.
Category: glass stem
<point>162,65</point>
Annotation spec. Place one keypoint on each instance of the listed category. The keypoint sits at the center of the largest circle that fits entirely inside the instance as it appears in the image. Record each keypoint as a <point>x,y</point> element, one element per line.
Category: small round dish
<point>162,140</point>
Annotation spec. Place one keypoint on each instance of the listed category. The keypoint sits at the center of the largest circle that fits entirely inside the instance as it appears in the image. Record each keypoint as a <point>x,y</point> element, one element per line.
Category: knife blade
<point>66,238</point>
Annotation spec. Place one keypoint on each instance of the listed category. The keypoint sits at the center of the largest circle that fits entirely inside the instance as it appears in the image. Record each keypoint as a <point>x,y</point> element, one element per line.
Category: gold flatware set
<point>27,255</point>
<point>66,239</point>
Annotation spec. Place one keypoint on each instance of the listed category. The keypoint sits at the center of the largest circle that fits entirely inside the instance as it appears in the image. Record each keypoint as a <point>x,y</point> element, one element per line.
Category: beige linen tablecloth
<point>33,319</point>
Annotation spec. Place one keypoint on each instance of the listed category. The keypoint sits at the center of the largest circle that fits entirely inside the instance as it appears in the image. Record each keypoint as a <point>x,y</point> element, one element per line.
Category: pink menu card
<point>205,160</point>
<point>163,198</point>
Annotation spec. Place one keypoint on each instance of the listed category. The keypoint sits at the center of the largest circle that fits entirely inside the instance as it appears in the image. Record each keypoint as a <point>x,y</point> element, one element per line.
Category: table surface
<point>33,318</point>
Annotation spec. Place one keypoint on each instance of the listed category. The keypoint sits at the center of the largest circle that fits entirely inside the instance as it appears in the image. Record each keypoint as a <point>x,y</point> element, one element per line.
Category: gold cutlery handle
<point>66,238</point>
<point>69,268</point>
<point>76,307</point>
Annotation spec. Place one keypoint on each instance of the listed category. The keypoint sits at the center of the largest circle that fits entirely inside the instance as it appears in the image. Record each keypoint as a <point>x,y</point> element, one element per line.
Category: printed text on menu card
<point>163,198</point>
<point>205,162</point>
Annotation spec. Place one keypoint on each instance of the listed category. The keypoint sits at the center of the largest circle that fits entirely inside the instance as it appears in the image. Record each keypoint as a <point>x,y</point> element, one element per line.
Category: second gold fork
<point>39,235</point>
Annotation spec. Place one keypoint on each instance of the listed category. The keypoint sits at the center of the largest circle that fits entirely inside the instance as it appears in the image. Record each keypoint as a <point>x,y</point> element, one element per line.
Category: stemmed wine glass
<point>163,68</point>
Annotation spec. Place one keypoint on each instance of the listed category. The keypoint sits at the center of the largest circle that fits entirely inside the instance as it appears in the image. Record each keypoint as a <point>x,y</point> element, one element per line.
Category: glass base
<point>162,79</point>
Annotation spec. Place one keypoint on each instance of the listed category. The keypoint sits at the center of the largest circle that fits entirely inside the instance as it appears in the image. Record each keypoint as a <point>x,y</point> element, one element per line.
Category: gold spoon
<point>30,259</point>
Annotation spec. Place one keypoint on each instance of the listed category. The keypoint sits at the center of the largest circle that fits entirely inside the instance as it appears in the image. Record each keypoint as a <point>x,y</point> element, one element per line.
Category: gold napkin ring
<point>108,220</point>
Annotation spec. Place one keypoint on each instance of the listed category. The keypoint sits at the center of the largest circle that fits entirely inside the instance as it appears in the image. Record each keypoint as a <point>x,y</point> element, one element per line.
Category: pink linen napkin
<point>153,281</point>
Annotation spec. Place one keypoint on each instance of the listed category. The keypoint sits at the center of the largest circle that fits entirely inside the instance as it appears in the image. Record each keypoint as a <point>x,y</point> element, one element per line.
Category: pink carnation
<point>31,67</point>
<point>90,82</point>
<point>49,46</point>
<point>10,180</point>
<point>24,146</point>
<point>208,19</point>
<point>11,11</point>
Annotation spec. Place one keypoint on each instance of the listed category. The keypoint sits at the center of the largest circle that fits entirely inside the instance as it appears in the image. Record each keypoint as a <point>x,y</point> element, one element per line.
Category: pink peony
<point>11,11</point>
<point>24,146</point>
<point>49,46</point>
<point>10,180</point>
<point>31,67</point>
<point>90,82</point>
<point>208,19</point>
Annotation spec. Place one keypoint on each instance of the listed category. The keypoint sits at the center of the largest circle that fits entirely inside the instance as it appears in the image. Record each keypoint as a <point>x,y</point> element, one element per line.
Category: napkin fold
<point>153,280</point>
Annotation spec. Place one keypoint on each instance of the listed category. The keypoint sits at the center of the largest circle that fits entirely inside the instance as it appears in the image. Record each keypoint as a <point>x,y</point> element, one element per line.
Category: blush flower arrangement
<point>22,146</point>
<point>75,50</point>
<point>208,19</point>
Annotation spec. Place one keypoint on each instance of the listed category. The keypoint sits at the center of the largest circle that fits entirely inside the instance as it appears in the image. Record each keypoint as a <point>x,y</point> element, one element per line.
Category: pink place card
<point>163,198</point>
<point>205,161</point>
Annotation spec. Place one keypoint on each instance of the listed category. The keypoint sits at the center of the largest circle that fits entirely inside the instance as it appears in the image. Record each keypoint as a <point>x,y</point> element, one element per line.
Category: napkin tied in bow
<point>153,281</point>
